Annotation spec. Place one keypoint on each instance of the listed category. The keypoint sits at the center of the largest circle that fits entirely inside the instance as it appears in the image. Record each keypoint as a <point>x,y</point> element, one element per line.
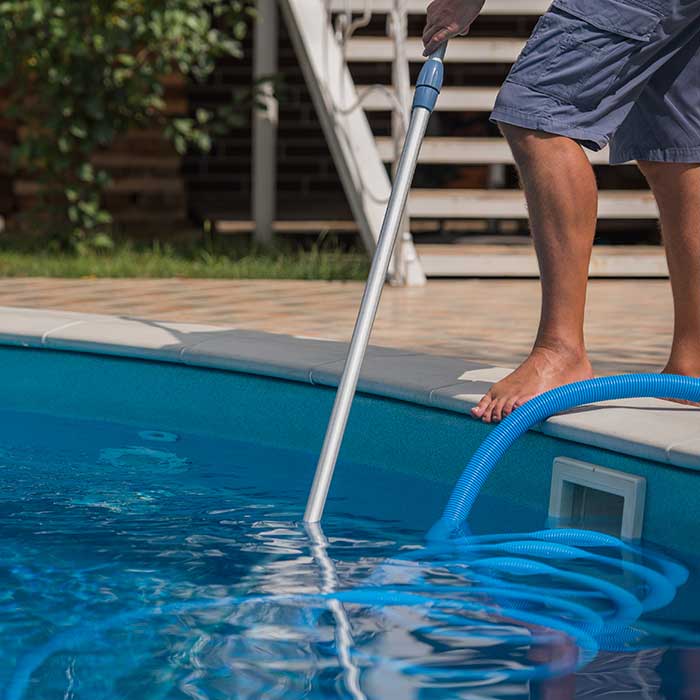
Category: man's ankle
<point>561,347</point>
<point>688,366</point>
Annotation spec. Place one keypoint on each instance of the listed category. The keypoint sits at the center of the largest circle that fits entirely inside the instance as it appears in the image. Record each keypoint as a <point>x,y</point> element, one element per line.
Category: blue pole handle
<point>429,81</point>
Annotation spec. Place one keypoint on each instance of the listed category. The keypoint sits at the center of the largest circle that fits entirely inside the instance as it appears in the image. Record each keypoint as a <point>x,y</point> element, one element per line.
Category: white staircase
<point>494,203</point>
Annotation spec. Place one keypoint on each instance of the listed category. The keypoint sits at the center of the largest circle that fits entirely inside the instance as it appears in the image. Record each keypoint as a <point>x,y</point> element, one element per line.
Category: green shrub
<point>80,73</point>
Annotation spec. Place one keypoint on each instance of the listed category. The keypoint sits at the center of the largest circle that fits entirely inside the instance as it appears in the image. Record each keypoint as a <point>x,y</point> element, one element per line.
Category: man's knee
<point>528,144</point>
<point>658,173</point>
<point>651,169</point>
<point>518,138</point>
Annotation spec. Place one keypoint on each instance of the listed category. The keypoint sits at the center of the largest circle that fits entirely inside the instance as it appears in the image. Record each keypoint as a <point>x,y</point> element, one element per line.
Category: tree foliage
<point>80,73</point>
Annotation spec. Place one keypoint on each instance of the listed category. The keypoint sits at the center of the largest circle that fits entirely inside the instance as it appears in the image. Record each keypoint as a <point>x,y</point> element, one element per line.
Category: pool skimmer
<point>582,494</point>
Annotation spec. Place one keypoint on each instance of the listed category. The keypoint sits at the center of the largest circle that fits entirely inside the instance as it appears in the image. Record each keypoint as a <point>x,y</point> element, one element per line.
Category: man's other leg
<point>676,187</point>
<point>562,199</point>
<point>662,133</point>
<point>574,84</point>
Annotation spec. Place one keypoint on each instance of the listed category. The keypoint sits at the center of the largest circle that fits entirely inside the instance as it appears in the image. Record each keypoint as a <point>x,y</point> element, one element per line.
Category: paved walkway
<point>628,328</point>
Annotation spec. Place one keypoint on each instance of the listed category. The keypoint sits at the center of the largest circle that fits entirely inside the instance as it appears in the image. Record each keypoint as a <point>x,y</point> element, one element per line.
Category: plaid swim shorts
<point>624,72</point>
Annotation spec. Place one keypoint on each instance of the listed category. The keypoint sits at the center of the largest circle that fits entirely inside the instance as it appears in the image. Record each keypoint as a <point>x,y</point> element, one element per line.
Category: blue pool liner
<point>506,570</point>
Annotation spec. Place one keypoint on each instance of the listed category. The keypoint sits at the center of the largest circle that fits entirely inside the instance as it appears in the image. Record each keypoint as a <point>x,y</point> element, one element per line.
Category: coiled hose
<point>658,579</point>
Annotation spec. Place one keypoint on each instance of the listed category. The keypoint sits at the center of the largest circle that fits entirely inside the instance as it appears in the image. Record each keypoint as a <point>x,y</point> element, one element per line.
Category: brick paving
<point>628,326</point>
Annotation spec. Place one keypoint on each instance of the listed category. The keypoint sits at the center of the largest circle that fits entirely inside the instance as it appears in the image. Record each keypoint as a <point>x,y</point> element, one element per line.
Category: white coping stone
<point>29,327</point>
<point>685,454</point>
<point>283,356</point>
<point>648,428</point>
<point>129,337</point>
<point>411,377</point>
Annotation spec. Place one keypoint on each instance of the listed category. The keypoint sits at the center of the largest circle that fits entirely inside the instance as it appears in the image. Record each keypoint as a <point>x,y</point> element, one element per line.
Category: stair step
<point>231,227</point>
<point>467,151</point>
<point>474,260</point>
<point>228,226</point>
<point>510,204</point>
<point>477,50</point>
<point>452,99</point>
<point>417,7</point>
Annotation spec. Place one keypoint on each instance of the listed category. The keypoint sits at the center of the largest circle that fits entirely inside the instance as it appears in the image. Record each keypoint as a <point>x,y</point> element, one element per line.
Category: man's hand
<point>448,18</point>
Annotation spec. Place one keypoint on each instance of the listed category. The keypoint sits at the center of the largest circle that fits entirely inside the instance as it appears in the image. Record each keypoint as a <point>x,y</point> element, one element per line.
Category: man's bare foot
<point>687,370</point>
<point>545,369</point>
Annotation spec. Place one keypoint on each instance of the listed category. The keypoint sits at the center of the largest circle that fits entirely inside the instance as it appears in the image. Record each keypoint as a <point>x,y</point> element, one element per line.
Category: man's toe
<point>510,405</point>
<point>497,414</point>
<point>488,413</point>
<point>480,408</point>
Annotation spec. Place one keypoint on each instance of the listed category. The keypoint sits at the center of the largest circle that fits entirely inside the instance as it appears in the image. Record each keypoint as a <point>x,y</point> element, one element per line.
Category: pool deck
<point>661,431</point>
<point>493,321</point>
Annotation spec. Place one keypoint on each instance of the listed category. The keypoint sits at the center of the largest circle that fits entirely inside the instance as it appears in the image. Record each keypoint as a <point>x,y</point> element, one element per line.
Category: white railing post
<point>264,190</point>
<point>408,270</point>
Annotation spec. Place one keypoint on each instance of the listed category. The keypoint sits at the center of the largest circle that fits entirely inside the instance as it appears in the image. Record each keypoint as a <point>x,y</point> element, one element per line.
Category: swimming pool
<point>151,544</point>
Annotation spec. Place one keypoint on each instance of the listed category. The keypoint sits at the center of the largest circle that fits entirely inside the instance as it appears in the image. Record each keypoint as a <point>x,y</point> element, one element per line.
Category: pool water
<point>136,563</point>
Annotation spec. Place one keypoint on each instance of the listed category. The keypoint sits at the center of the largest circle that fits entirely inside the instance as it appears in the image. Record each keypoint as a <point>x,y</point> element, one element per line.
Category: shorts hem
<point>656,155</point>
<point>538,122</point>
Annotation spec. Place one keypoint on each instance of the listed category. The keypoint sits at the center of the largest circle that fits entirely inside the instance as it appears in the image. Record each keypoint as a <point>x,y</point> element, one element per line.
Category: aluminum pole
<point>427,89</point>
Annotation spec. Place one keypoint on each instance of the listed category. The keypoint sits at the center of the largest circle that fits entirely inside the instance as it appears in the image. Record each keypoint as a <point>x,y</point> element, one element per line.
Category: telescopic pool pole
<point>427,90</point>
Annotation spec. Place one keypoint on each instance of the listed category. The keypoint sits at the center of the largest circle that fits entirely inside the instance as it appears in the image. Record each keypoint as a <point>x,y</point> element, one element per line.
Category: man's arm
<point>448,18</point>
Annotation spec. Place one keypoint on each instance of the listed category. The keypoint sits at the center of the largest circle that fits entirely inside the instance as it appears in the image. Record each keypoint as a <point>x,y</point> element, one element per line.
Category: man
<point>624,72</point>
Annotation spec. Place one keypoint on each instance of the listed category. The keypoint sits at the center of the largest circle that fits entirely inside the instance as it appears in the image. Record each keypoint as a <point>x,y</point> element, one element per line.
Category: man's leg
<point>562,199</point>
<point>676,187</point>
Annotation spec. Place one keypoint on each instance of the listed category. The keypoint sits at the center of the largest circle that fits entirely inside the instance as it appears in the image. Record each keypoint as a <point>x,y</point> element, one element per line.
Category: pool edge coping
<point>645,428</point>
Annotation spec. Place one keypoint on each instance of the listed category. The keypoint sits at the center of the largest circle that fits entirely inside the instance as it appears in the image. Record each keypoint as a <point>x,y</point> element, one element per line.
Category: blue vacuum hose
<point>626,386</point>
<point>494,561</point>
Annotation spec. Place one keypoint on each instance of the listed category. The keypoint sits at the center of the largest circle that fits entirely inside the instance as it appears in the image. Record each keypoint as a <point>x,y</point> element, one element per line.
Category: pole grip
<point>429,81</point>
<point>439,53</point>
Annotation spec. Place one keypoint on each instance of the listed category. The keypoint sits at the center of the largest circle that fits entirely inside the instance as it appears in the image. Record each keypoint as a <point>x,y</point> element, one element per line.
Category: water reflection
<point>208,588</point>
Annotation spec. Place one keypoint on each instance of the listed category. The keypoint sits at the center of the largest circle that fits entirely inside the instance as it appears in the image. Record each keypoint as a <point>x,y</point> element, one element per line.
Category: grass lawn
<point>237,262</point>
